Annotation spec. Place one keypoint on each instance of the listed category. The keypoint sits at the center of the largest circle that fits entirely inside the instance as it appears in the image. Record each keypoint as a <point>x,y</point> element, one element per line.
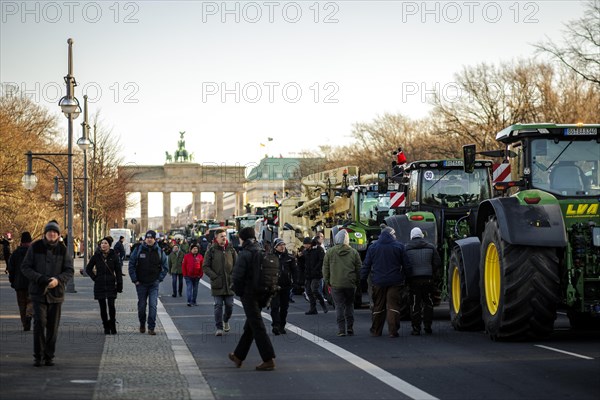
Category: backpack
<point>266,273</point>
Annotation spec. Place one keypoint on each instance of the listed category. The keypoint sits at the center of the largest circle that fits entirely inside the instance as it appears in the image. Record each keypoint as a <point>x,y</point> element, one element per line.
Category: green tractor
<point>442,200</point>
<point>538,246</point>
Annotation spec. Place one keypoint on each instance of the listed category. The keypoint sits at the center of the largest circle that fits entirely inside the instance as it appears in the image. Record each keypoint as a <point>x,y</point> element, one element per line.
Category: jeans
<point>344,308</point>
<point>177,277</point>
<point>219,317</point>
<point>147,294</point>
<point>254,329</point>
<point>191,289</point>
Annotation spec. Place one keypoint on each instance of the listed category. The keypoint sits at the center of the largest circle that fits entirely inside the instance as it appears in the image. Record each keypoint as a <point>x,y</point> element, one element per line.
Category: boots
<point>106,325</point>
<point>113,326</point>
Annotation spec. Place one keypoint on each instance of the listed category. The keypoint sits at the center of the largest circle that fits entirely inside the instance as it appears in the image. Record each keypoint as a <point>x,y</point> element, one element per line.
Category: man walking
<point>280,302</point>
<point>120,249</point>
<point>385,260</point>
<point>219,259</point>
<point>175,261</point>
<point>341,268</point>
<point>147,268</point>
<point>244,272</point>
<point>423,261</point>
<point>19,282</point>
<point>48,268</point>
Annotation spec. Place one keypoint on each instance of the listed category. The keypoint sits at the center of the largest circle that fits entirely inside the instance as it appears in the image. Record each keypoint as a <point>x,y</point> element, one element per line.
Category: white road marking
<point>198,388</point>
<point>393,381</point>
<point>564,352</point>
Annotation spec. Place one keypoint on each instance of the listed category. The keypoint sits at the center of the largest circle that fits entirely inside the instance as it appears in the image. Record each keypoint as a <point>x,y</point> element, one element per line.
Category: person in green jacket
<point>175,260</point>
<point>341,267</point>
<point>219,259</point>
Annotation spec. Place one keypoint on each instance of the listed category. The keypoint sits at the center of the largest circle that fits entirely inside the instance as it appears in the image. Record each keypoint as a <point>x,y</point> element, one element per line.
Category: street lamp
<point>70,107</point>
<point>84,143</point>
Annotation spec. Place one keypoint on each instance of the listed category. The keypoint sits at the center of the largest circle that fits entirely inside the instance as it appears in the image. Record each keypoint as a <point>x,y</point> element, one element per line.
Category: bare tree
<point>580,50</point>
<point>24,125</point>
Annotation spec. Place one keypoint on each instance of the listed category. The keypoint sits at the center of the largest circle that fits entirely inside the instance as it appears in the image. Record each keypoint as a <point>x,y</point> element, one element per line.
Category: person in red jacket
<point>192,272</point>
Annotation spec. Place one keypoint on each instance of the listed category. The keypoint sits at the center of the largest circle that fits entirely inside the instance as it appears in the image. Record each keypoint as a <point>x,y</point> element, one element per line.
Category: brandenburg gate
<point>180,174</point>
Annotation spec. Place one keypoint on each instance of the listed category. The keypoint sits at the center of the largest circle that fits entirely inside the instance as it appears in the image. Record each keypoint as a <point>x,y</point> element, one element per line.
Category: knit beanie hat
<point>52,226</point>
<point>277,242</point>
<point>342,237</point>
<point>151,234</point>
<point>416,233</point>
<point>26,237</point>
<point>389,230</point>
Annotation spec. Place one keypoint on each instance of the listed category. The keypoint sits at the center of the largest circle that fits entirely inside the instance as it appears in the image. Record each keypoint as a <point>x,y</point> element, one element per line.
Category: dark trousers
<point>46,318</point>
<point>386,306</point>
<point>280,304</point>
<point>25,306</point>
<point>110,302</point>
<point>176,278</point>
<point>254,329</point>
<point>344,308</point>
<point>421,302</point>
<point>314,293</point>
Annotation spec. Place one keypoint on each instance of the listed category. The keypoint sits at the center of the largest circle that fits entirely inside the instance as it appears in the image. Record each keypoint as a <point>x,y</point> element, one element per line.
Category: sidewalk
<point>91,365</point>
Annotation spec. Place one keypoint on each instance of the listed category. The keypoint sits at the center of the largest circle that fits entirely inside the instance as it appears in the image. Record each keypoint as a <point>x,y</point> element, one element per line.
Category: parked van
<point>127,234</point>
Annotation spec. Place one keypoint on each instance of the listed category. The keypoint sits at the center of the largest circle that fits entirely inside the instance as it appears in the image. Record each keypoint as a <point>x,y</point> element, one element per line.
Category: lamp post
<point>84,143</point>
<point>56,196</point>
<point>70,107</point>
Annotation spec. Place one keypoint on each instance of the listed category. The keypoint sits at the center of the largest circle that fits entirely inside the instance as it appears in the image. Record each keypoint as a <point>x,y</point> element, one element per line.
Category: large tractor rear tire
<point>519,287</point>
<point>465,313</point>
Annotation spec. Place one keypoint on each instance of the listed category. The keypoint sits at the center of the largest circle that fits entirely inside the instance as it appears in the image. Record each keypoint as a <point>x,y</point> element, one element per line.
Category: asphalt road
<point>312,362</point>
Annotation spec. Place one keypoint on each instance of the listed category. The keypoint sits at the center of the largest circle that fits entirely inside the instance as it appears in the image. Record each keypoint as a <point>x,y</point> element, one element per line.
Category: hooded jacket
<point>385,259</point>
<point>341,267</point>
<point>422,258</point>
<point>108,274</point>
<point>218,266</point>
<point>42,262</point>
<point>287,269</point>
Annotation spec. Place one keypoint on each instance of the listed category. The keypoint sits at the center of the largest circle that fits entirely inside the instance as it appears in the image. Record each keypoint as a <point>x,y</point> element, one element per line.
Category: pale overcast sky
<point>231,74</point>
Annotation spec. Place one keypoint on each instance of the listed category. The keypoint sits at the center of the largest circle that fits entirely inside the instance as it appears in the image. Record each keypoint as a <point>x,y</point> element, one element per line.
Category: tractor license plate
<point>581,131</point>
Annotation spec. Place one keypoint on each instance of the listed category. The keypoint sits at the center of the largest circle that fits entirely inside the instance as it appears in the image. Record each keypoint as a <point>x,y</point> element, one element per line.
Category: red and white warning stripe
<point>397,199</point>
<point>501,172</point>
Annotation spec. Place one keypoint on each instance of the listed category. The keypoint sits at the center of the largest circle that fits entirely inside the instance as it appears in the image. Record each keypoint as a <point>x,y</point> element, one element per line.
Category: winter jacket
<point>287,269</point>
<point>148,264</point>
<point>243,270</point>
<point>42,262</point>
<point>218,265</point>
<point>120,250</point>
<point>341,267</point>
<point>106,271</point>
<point>313,263</point>
<point>18,281</point>
<point>192,266</point>
<point>423,260</point>
<point>385,259</point>
<point>175,261</point>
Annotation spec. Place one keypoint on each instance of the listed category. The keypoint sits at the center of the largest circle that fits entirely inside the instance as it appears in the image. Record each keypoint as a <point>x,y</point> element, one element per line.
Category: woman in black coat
<point>105,269</point>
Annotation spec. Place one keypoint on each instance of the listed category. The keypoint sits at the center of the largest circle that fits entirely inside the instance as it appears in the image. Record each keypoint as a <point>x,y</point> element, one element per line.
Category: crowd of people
<point>39,270</point>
